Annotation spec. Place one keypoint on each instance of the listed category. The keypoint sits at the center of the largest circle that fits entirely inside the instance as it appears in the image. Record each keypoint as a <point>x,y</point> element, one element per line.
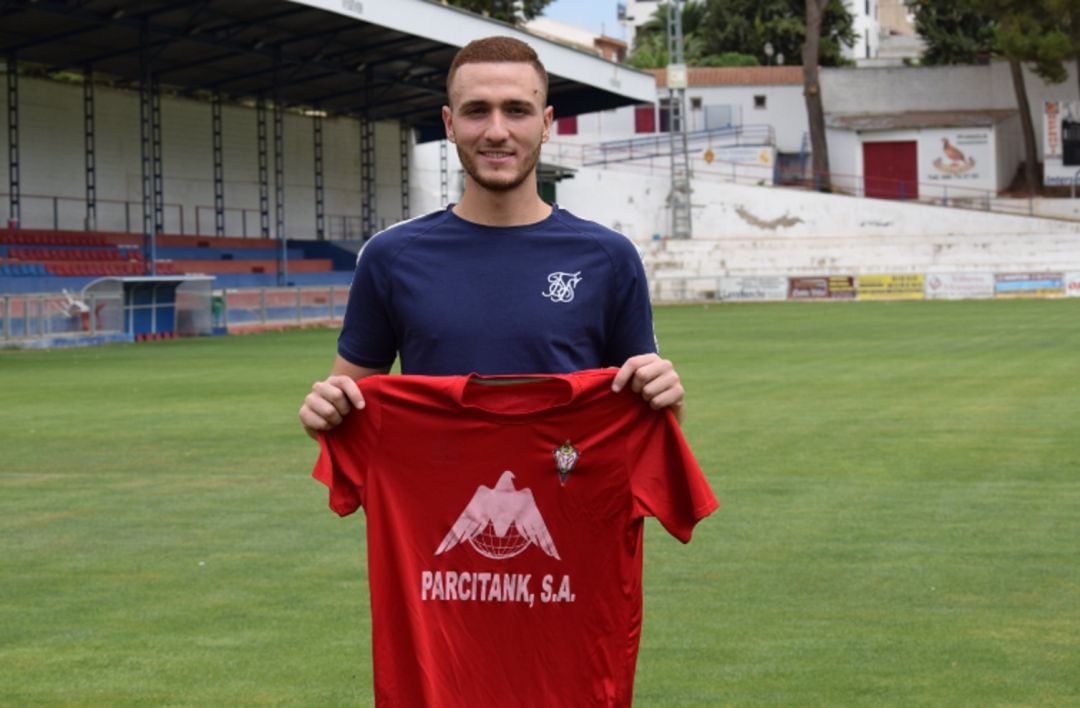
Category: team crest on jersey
<point>566,456</point>
<point>561,286</point>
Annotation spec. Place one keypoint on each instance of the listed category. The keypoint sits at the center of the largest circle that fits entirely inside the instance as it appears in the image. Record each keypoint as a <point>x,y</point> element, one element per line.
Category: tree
<point>747,26</point>
<point>512,11</point>
<point>736,32</point>
<point>815,111</point>
<point>1040,33</point>
<point>1027,33</point>
<point>955,32</point>
<point>650,41</point>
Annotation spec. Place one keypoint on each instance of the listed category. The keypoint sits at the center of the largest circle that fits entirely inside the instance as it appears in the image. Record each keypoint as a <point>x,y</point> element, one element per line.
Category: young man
<point>501,282</point>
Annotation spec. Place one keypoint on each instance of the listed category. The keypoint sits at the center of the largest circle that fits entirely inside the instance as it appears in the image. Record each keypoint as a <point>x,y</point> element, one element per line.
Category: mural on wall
<point>953,161</point>
<point>963,156</point>
<point>1061,142</point>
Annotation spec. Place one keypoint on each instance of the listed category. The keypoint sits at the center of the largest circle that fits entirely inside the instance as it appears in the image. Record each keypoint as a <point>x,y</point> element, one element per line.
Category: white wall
<point>746,230</point>
<point>867,29</point>
<point>52,163</point>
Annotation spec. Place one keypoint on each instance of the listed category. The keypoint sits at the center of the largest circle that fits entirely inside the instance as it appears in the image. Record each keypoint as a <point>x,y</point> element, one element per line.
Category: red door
<point>891,169</point>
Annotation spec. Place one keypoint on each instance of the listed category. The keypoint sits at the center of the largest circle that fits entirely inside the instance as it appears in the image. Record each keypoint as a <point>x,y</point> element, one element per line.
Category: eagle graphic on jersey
<point>500,523</point>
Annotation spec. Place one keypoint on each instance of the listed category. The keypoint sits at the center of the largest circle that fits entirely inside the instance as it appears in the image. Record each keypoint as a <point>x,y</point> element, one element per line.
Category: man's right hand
<point>333,398</point>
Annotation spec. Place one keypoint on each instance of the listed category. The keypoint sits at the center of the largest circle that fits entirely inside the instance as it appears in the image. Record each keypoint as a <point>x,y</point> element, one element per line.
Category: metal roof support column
<point>279,188</point>
<point>159,174</point>
<point>89,152</point>
<point>444,173</point>
<point>13,140</point>
<point>264,168</point>
<point>367,176</point>
<point>320,192</point>
<point>146,130</point>
<point>219,164</point>
<point>404,132</point>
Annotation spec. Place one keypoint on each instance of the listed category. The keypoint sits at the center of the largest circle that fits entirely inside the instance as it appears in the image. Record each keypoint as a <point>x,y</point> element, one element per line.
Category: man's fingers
<point>629,372</point>
<point>329,402</point>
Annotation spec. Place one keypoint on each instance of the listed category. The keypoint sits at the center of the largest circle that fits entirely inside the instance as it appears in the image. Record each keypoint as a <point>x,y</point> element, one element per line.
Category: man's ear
<point>549,116</point>
<point>448,122</point>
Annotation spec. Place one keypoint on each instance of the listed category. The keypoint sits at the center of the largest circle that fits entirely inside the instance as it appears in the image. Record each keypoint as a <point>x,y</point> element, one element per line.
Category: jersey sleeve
<point>631,327</point>
<point>367,333</point>
<point>345,456</point>
<point>665,479</point>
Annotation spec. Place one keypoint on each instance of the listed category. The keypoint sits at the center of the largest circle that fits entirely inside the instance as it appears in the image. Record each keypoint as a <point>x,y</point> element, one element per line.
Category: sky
<point>597,16</point>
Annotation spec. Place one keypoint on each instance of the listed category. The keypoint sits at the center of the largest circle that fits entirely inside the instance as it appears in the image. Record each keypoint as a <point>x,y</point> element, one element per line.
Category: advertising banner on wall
<point>753,288</point>
<point>963,157</point>
<point>1061,142</point>
<point>906,286</point>
<point>829,287</point>
<point>959,286</point>
<point>1072,284</point>
<point>1017,285</point>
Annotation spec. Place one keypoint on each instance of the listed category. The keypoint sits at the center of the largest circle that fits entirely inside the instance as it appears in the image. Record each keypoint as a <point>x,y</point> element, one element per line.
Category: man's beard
<point>500,183</point>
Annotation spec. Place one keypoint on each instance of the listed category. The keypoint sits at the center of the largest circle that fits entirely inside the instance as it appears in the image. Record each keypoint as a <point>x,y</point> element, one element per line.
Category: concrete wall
<point>52,163</point>
<point>747,230</point>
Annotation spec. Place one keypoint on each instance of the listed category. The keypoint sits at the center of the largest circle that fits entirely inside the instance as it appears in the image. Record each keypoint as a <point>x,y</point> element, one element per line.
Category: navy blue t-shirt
<point>452,297</point>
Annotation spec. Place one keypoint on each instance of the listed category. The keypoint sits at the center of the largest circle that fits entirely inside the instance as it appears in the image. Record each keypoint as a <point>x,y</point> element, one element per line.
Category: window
<point>566,126</point>
<point>645,119</point>
<point>759,100</point>
<point>695,103</point>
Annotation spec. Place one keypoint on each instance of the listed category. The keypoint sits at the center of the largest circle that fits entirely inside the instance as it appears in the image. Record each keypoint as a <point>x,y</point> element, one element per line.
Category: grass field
<point>900,519</point>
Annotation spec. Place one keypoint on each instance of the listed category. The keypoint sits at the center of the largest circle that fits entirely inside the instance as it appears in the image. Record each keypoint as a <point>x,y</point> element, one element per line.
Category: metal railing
<point>258,308</point>
<point>43,315</point>
<point>48,211</point>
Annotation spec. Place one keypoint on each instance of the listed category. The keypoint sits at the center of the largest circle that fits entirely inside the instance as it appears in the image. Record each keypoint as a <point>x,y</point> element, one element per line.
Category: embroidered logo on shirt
<point>566,456</point>
<point>561,286</point>
<point>500,523</point>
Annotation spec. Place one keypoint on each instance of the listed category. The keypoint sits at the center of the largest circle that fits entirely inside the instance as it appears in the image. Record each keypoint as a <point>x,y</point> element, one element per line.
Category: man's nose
<point>497,130</point>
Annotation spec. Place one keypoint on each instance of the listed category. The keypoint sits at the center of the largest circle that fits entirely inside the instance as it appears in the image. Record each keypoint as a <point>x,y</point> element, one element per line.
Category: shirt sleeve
<point>367,334</point>
<point>665,480</point>
<point>345,456</point>
<point>631,326</point>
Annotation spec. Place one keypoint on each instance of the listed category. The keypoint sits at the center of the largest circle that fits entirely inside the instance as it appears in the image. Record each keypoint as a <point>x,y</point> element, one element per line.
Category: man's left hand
<point>654,379</point>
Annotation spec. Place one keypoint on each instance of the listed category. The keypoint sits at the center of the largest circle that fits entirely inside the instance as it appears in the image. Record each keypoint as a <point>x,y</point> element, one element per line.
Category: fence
<point>264,308</point>
<point>46,315</point>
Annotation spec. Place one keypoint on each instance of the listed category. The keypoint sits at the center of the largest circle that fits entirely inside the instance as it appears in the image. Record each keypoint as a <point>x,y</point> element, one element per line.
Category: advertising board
<point>959,286</point>
<point>1022,285</point>
<point>753,288</point>
<point>907,286</point>
<point>824,287</point>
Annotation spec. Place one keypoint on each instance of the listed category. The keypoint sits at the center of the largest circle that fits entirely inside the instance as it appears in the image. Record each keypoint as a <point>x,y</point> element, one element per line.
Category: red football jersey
<point>504,532</point>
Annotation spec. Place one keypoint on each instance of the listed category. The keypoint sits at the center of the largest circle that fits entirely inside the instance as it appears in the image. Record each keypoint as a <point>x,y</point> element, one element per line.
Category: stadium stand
<point>50,260</point>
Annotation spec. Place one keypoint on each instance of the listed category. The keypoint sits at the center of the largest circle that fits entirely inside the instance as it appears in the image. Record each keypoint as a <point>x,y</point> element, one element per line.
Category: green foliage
<point>730,59</point>
<point>898,521</point>
<point>1029,33</point>
<point>955,31</point>
<point>1044,34</point>
<point>725,28</point>
<point>510,11</point>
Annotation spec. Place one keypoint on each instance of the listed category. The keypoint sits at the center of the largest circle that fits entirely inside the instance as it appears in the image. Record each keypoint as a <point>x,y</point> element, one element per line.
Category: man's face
<point>498,121</point>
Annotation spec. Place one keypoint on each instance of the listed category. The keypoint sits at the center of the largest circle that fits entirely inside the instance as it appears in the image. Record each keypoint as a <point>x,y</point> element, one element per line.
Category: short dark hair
<point>497,49</point>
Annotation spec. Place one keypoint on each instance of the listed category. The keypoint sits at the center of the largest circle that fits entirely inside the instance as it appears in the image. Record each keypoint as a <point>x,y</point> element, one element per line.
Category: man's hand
<point>654,379</point>
<point>333,398</point>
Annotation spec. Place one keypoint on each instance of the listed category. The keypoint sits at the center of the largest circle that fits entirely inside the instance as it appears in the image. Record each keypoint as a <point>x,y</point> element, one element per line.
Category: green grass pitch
<point>899,522</point>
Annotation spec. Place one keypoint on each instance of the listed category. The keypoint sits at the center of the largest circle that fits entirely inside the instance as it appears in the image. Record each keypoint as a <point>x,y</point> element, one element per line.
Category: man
<point>501,282</point>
